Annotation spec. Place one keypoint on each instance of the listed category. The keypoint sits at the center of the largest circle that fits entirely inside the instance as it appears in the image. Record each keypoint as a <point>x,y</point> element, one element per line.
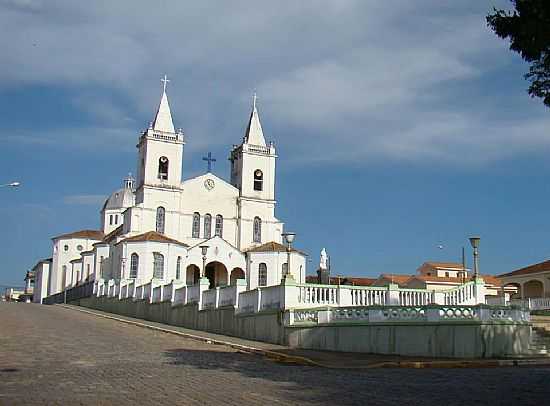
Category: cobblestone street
<point>52,355</point>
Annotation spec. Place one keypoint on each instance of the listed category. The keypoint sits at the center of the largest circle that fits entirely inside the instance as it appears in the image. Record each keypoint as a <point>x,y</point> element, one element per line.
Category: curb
<point>294,359</point>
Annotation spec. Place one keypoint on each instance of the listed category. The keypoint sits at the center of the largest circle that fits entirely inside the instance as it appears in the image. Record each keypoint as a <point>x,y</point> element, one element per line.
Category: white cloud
<point>367,79</point>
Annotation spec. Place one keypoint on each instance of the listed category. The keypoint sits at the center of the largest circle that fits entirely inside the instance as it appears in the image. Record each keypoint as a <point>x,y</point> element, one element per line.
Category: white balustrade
<point>157,294</point>
<point>167,292</point>
<point>249,301</point>
<point>210,298</point>
<point>180,295</point>
<point>317,295</point>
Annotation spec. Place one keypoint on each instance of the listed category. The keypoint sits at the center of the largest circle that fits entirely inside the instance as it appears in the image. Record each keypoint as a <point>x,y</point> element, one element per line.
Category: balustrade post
<point>392,299</point>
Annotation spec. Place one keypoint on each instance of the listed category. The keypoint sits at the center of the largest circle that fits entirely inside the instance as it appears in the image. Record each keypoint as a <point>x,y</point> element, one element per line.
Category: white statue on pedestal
<point>323,261</point>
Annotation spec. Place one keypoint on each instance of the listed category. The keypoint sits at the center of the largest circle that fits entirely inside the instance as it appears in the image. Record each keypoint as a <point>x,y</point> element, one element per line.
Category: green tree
<point>528,28</point>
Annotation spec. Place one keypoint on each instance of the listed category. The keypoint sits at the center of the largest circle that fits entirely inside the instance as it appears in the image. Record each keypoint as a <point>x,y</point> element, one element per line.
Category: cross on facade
<point>165,80</point>
<point>209,159</point>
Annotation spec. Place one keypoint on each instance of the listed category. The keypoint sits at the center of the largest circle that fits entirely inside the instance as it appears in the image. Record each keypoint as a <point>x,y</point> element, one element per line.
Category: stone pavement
<point>53,355</point>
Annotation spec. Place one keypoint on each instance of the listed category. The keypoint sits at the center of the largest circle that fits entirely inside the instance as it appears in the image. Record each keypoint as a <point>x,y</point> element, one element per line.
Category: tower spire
<point>254,134</point>
<point>163,119</point>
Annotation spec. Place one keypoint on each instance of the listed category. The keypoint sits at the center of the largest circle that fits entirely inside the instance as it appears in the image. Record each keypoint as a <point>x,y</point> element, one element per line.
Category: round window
<point>79,247</point>
<point>66,248</point>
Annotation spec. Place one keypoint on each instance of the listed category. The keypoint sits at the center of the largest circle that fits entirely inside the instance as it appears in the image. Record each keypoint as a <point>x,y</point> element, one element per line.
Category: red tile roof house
<point>532,281</point>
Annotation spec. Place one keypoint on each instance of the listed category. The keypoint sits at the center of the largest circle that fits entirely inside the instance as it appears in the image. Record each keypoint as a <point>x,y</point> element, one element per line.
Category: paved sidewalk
<point>51,355</point>
<point>326,359</point>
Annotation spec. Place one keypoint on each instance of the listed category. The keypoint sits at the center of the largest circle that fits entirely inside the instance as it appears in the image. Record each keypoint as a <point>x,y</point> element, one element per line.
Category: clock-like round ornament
<point>209,184</point>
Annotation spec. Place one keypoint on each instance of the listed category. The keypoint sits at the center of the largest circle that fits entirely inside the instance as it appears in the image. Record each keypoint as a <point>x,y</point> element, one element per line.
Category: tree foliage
<point>528,28</point>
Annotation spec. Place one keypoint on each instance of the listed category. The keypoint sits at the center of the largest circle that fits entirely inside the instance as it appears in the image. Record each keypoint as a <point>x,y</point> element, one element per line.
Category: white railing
<point>193,294</point>
<point>463,294</point>
<point>249,301</point>
<point>157,294</point>
<point>317,295</point>
<point>270,298</point>
<point>146,294</point>
<point>535,303</point>
<point>167,292</point>
<point>180,295</point>
<point>363,296</point>
<point>294,296</point>
<point>210,298</point>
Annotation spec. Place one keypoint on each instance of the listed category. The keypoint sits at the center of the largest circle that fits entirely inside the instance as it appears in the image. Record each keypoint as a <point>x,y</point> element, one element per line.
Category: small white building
<point>157,226</point>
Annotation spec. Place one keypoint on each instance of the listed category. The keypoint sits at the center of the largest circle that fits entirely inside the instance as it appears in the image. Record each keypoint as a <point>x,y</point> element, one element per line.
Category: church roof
<point>152,236</point>
<point>535,268</point>
<point>87,234</point>
<point>272,247</point>
<point>163,119</point>
<point>113,234</point>
<point>254,134</point>
<point>119,199</point>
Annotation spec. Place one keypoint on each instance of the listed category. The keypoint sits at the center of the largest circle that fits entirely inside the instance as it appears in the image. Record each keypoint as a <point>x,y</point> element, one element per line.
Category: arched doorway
<point>192,274</point>
<point>216,272</point>
<point>236,273</point>
<point>517,286</point>
<point>533,289</point>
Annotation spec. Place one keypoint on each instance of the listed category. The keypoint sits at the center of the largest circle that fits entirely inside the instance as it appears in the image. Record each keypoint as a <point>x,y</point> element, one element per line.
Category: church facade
<point>162,227</point>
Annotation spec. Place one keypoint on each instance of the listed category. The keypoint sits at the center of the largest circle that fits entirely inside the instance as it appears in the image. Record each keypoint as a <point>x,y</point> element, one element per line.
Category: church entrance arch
<point>216,272</point>
<point>236,273</point>
<point>533,289</point>
<point>192,274</point>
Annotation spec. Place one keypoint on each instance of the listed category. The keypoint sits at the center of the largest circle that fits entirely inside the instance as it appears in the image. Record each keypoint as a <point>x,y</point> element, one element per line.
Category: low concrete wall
<point>451,340</point>
<point>446,340</point>
<point>266,326</point>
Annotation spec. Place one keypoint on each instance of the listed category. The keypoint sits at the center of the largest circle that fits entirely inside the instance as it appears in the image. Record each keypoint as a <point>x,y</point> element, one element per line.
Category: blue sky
<point>400,125</point>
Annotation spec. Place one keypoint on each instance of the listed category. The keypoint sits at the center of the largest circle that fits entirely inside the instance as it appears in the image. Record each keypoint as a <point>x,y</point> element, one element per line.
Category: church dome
<point>121,198</point>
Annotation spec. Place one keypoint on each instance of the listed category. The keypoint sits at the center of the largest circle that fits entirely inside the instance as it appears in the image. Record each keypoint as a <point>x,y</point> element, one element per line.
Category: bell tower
<point>160,151</point>
<point>253,173</point>
<point>253,162</point>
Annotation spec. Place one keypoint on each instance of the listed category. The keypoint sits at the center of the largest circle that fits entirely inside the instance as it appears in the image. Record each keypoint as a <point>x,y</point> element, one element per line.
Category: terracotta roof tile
<point>535,268</point>
<point>271,247</point>
<point>344,280</point>
<point>87,234</point>
<point>152,236</point>
<point>113,234</point>
<point>453,265</point>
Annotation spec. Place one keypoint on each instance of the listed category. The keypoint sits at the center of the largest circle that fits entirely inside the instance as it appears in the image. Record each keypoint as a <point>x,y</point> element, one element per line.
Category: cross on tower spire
<point>165,81</point>
<point>254,97</point>
<point>209,159</point>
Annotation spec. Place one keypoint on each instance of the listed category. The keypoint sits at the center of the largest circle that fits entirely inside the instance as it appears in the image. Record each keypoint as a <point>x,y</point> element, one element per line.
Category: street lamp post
<point>474,241</point>
<point>204,250</point>
<point>289,239</point>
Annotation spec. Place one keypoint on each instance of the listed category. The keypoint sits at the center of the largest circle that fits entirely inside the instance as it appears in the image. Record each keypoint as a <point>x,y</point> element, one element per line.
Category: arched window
<point>207,226</point>
<point>178,268</point>
<point>257,237</point>
<point>87,271</point>
<point>158,265</point>
<point>161,212</point>
<point>219,225</point>
<point>163,168</point>
<point>262,274</point>
<point>102,267</point>
<point>134,264</point>
<point>258,180</point>
<point>196,225</point>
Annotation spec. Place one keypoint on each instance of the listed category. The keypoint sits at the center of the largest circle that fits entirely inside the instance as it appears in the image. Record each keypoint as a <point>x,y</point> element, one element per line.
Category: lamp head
<point>289,237</point>
<point>204,249</point>
<point>474,241</point>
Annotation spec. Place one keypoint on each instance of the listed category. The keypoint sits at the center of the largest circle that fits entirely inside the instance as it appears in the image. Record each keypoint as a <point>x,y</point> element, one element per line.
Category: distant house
<point>430,275</point>
<point>531,281</point>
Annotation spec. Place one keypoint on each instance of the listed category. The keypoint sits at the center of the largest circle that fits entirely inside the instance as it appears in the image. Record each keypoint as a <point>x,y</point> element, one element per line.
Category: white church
<point>164,228</point>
